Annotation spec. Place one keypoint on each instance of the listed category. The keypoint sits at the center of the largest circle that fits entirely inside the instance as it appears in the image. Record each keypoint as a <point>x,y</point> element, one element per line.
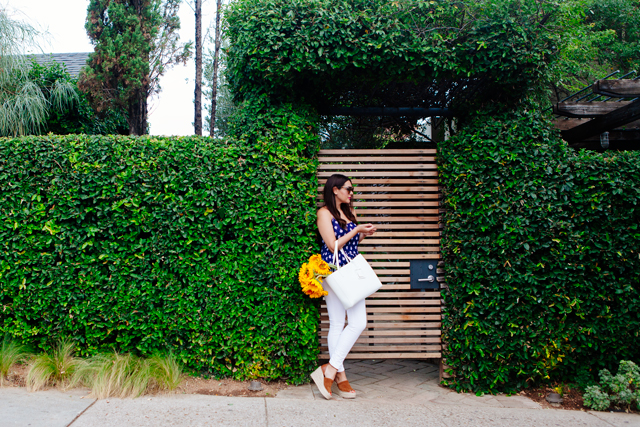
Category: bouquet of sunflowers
<point>311,276</point>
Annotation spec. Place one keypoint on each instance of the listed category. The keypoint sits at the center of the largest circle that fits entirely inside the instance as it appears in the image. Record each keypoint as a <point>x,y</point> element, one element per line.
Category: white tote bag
<point>353,282</point>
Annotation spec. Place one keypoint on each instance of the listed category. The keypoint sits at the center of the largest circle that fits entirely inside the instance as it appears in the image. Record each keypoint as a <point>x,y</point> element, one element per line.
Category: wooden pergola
<point>605,115</point>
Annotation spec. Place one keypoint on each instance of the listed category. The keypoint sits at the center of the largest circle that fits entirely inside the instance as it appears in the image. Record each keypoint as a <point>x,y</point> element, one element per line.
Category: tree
<point>135,41</point>
<point>24,107</point>
<point>217,123</point>
<point>598,37</point>
<point>216,55</point>
<point>77,117</point>
<point>197,119</point>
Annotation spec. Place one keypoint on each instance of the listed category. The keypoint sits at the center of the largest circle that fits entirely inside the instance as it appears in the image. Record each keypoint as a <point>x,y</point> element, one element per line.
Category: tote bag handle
<point>336,258</point>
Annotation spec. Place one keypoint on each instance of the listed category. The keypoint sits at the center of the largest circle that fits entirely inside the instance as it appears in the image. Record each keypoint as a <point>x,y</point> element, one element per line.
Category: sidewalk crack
<point>601,419</point>
<point>266,412</point>
<point>80,414</point>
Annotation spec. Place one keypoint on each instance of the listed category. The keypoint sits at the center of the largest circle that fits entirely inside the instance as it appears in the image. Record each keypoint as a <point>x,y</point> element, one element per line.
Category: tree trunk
<point>197,120</point>
<point>216,54</point>
<point>138,114</point>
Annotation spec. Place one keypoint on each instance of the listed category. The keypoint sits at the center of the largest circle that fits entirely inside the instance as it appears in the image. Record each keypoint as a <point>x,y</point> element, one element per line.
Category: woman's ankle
<point>330,371</point>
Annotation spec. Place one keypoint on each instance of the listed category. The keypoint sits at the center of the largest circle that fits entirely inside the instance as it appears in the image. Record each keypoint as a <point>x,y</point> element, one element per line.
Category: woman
<point>337,221</point>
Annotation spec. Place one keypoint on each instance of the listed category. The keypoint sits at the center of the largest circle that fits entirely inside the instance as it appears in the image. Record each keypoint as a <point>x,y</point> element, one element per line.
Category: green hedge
<point>154,244</point>
<point>542,255</point>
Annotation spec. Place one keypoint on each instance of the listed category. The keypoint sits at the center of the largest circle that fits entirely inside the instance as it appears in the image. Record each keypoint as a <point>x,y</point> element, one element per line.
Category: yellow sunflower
<point>305,273</point>
<point>313,288</point>
<point>318,265</point>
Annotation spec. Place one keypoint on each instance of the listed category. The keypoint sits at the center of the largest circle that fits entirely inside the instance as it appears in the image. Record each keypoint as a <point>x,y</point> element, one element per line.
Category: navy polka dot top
<point>351,248</point>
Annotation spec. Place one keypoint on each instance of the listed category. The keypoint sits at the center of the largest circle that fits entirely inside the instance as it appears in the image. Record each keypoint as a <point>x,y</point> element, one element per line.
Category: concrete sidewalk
<point>57,409</point>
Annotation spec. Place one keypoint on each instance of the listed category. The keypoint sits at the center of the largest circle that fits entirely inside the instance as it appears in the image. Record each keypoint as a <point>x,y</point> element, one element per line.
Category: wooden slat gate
<point>398,191</point>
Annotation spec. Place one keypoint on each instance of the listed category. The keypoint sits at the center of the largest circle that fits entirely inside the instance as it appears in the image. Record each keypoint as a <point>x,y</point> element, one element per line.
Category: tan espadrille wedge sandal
<point>323,383</point>
<point>345,390</point>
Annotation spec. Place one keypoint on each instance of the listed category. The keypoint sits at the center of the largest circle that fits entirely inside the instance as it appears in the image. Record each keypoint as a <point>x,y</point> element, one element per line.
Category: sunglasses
<point>349,189</point>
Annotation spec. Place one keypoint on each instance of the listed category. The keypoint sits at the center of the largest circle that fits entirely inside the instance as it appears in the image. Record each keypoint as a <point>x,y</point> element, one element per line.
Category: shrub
<point>541,248</point>
<point>149,244</point>
<point>622,389</point>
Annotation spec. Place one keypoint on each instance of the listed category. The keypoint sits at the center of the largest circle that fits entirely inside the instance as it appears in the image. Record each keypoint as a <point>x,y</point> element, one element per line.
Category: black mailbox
<point>423,274</point>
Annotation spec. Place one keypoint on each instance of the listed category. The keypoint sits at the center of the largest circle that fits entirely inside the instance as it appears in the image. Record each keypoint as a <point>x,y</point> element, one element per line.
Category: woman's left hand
<point>370,231</point>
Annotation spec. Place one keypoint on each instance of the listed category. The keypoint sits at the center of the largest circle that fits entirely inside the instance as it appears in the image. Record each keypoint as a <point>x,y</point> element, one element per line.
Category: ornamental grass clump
<point>166,371</point>
<point>129,376</point>
<point>312,274</point>
<point>10,353</point>
<point>621,390</point>
<point>115,375</point>
<point>54,369</point>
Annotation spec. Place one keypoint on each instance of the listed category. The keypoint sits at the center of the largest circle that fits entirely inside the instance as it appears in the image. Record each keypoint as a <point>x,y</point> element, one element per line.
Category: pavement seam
<point>80,414</point>
<point>597,417</point>
<point>266,412</point>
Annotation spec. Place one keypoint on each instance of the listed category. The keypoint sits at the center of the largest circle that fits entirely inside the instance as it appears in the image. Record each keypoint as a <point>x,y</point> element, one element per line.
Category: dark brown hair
<point>337,180</point>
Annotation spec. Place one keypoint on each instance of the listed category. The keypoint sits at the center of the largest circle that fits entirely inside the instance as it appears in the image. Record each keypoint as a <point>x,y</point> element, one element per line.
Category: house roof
<point>73,61</point>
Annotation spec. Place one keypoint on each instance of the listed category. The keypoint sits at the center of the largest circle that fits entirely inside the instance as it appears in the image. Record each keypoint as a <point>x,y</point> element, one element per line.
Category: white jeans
<point>341,339</point>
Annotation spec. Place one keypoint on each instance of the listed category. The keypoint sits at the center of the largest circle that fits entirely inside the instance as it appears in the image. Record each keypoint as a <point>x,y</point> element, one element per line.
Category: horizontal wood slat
<point>407,211</point>
<point>427,355</point>
<point>403,309</point>
<point>390,333</point>
<point>414,340</point>
<point>387,279</point>
<point>396,234</point>
<point>375,310</point>
<point>379,197</point>
<point>372,241</point>
<point>361,356</point>
<point>416,294</point>
<point>395,317</point>
<point>418,226</point>
<point>424,218</point>
<point>382,207</point>
<point>367,248</point>
<point>378,348</point>
<point>374,302</point>
<point>401,256</point>
<point>377,166</point>
<point>410,190</point>
<point>355,180</point>
<point>398,191</point>
<point>360,152</point>
<point>390,271</point>
<point>373,159</point>
<point>361,174</point>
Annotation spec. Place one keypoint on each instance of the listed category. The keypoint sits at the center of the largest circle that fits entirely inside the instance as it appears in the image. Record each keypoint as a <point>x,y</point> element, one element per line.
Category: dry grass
<point>55,369</point>
<point>10,353</point>
<point>166,371</point>
<point>128,376</point>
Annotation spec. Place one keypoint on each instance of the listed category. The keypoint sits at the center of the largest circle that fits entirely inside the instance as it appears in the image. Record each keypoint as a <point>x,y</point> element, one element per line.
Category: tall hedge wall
<point>155,244</point>
<point>542,254</point>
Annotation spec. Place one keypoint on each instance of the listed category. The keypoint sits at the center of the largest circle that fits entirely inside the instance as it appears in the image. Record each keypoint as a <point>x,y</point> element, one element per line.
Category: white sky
<point>171,112</point>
